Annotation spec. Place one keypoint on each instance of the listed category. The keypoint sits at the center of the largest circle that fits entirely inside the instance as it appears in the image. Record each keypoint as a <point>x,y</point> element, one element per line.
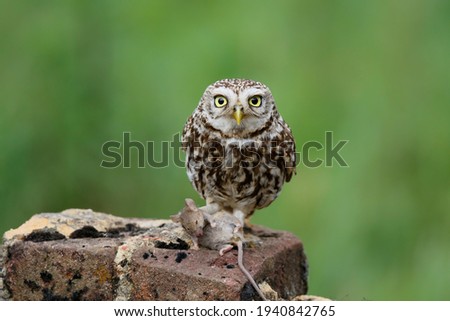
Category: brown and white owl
<point>239,149</point>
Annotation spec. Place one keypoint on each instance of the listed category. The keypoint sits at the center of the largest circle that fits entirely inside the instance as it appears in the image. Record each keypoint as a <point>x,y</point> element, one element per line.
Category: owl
<point>239,150</point>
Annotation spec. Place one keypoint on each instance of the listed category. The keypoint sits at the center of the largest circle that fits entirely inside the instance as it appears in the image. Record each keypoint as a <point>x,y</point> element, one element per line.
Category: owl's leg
<point>211,207</point>
<point>209,210</point>
<point>240,216</point>
<point>247,223</point>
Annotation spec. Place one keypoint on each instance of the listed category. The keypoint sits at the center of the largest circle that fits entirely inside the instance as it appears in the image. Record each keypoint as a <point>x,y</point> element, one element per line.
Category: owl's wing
<point>289,155</point>
<point>187,135</point>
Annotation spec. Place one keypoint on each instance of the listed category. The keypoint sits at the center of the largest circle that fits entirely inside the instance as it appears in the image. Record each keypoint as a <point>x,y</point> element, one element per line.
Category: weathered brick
<point>83,255</point>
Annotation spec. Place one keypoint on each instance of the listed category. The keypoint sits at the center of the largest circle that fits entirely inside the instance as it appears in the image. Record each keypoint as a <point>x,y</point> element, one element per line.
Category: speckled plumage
<point>238,167</point>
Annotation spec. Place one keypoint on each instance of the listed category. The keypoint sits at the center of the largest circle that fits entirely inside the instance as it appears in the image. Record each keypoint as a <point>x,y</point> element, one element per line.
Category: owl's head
<point>237,107</point>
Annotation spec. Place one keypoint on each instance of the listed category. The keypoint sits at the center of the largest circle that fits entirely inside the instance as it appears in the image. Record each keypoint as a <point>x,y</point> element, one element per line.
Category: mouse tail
<point>245,271</point>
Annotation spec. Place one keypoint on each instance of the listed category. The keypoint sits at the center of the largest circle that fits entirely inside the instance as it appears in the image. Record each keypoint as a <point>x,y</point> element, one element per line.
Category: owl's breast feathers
<point>238,169</point>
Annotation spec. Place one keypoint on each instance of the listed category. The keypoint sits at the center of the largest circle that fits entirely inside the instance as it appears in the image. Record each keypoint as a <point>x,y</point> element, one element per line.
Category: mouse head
<point>192,219</point>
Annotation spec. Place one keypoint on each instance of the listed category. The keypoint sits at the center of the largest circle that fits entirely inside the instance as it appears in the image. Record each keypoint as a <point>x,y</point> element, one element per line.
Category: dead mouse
<point>222,232</point>
<point>215,232</point>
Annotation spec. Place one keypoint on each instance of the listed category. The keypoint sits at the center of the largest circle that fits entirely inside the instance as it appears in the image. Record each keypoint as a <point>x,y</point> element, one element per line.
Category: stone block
<point>84,255</point>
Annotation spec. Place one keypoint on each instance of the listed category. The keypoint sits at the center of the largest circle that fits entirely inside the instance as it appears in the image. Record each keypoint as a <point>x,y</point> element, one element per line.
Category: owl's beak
<point>238,115</point>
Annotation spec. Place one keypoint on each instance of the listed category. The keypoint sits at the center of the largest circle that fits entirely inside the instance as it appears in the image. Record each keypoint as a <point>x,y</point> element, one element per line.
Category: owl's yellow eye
<point>220,101</point>
<point>255,101</point>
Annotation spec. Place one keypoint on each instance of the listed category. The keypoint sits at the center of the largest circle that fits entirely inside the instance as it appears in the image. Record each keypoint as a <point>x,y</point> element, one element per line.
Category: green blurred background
<point>75,74</point>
